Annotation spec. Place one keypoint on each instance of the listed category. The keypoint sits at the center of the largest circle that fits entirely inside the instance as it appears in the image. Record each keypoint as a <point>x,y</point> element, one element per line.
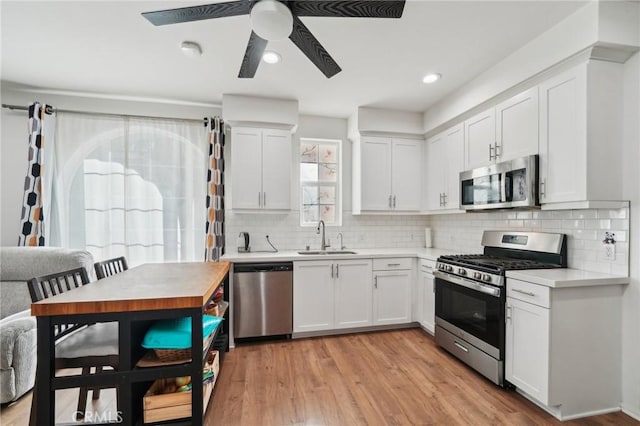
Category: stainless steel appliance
<point>471,294</point>
<point>243,243</point>
<point>262,299</point>
<point>503,185</point>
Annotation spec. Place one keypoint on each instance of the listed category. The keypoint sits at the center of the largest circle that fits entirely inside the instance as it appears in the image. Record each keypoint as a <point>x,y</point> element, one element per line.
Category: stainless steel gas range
<point>471,294</point>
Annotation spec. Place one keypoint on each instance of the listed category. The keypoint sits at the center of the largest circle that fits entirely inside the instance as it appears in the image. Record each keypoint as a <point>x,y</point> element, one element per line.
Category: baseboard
<point>556,411</point>
<point>631,412</point>
<point>335,332</point>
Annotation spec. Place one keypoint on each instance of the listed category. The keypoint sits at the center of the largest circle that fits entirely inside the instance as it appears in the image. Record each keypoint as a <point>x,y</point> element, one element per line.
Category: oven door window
<point>478,314</point>
<point>482,190</point>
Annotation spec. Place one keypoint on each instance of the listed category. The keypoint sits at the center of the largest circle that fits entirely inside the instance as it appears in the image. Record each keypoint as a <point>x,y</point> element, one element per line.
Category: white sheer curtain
<point>131,186</point>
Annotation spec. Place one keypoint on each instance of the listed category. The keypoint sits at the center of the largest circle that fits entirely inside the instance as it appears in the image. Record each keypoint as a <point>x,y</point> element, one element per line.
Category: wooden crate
<point>160,406</point>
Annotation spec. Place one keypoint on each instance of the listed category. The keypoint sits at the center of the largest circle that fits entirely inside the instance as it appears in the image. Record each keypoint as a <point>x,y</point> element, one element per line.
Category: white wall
<point>14,137</point>
<point>631,190</point>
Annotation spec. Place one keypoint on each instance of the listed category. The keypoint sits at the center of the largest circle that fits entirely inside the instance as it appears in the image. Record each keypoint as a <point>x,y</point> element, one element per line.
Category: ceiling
<point>107,47</point>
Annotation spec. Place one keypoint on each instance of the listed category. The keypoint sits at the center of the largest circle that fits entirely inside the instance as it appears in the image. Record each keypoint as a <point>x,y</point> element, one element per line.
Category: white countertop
<point>293,255</point>
<point>559,278</point>
<point>556,278</point>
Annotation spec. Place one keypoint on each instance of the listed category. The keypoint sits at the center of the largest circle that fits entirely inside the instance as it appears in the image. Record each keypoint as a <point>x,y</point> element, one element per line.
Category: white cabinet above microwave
<point>504,132</point>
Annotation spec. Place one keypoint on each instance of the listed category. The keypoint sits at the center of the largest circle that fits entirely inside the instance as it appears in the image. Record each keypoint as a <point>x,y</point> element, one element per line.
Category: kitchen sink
<point>327,252</point>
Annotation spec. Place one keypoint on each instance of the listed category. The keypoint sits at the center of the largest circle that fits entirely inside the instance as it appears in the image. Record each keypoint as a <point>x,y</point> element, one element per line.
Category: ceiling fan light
<point>431,78</point>
<point>271,57</point>
<point>271,20</point>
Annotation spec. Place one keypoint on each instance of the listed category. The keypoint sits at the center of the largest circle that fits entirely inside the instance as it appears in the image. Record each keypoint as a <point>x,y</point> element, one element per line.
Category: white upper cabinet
<point>260,169</point>
<point>376,173</point>
<point>517,126</point>
<point>389,174</point>
<point>505,132</point>
<point>580,135</point>
<point>480,139</point>
<point>445,158</point>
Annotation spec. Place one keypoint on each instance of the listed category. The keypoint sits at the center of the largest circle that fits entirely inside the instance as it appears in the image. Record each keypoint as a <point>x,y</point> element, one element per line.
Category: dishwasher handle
<point>262,267</point>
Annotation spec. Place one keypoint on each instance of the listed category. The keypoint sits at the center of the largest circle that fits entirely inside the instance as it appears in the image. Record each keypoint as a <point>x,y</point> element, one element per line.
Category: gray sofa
<point>17,326</point>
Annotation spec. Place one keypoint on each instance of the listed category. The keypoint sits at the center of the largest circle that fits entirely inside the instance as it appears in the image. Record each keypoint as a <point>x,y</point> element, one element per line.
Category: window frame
<point>338,143</point>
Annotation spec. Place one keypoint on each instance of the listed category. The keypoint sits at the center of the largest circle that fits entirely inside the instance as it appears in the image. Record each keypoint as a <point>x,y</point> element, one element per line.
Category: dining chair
<point>78,345</point>
<point>109,267</point>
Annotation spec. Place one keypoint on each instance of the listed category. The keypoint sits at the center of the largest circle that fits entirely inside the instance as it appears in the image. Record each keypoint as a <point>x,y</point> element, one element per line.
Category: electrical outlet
<point>609,251</point>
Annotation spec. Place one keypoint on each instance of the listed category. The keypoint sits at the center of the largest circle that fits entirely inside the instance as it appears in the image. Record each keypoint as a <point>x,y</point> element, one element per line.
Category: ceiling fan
<point>279,19</point>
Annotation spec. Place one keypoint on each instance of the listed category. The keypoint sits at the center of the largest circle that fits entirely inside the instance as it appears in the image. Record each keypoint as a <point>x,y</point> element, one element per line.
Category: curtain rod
<point>24,108</point>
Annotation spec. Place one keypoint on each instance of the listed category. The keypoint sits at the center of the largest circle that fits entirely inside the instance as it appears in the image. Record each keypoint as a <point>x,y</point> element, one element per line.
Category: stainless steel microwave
<point>503,185</point>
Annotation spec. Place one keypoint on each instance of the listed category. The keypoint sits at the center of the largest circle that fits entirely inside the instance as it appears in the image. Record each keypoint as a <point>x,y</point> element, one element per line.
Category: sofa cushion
<point>9,335</point>
<point>14,296</point>
<point>19,264</point>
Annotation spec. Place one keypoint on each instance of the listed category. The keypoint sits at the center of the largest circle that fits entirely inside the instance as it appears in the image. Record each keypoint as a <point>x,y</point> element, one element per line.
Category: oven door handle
<point>492,291</point>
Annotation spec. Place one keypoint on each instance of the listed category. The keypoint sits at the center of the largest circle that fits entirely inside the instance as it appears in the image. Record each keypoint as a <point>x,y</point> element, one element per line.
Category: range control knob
<point>486,277</point>
<point>462,271</point>
<point>449,268</point>
<point>477,275</point>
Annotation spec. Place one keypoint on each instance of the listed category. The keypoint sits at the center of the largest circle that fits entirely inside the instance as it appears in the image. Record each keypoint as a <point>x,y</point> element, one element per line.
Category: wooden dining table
<point>134,298</point>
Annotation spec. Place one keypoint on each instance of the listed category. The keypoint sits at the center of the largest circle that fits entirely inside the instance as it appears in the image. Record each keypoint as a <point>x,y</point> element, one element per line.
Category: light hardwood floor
<point>382,378</point>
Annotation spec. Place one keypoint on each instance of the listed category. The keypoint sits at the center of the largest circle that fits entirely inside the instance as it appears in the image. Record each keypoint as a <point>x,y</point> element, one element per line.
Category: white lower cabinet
<point>426,297</point>
<point>331,294</point>
<point>392,291</point>
<point>353,304</point>
<point>562,349</point>
<point>527,340</point>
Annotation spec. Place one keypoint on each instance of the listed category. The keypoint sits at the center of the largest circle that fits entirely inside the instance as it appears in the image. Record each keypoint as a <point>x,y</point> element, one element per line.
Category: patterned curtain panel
<point>214,244</point>
<point>36,204</point>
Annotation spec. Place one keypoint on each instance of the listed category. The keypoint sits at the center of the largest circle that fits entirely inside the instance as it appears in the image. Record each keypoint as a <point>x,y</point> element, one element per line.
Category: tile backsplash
<point>585,230</point>
<point>460,233</point>
<point>285,232</point>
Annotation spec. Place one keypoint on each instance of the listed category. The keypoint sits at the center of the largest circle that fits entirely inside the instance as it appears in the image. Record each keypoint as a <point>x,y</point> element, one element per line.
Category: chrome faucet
<point>323,243</point>
<point>342,247</point>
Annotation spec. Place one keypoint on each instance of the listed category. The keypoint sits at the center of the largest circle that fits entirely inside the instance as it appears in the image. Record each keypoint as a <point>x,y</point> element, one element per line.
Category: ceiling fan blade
<point>252,56</point>
<point>199,13</point>
<point>349,8</point>
<point>311,47</point>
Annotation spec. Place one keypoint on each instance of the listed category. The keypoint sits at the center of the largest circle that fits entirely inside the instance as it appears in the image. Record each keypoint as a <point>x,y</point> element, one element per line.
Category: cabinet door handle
<point>542,187</point>
<point>332,270</point>
<point>389,201</point>
<point>528,293</point>
<point>394,201</point>
<point>337,271</point>
<point>375,281</point>
<point>393,264</point>
<point>496,154</point>
<point>444,199</point>
<point>508,314</point>
<point>491,156</point>
<point>259,199</point>
<point>441,202</point>
<point>264,199</point>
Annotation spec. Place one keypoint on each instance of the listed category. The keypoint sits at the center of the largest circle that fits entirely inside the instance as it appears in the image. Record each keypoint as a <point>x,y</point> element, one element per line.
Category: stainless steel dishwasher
<point>262,299</point>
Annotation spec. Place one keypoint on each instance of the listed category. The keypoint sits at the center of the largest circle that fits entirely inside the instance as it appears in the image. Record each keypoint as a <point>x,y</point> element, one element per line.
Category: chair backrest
<point>51,285</point>
<point>109,267</point>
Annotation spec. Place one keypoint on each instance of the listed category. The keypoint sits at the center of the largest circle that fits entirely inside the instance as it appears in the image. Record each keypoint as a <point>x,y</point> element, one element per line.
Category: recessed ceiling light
<point>191,49</point>
<point>271,57</point>
<point>431,78</point>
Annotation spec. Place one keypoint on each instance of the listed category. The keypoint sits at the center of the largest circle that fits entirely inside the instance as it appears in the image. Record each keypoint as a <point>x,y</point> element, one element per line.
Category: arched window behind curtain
<point>131,186</point>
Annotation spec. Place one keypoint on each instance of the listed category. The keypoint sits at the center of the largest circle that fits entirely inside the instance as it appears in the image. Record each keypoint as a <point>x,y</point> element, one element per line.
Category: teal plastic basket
<point>176,333</point>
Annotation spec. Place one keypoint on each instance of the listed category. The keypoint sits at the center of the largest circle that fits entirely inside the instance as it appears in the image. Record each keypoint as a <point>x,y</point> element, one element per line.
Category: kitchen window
<point>320,182</point>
